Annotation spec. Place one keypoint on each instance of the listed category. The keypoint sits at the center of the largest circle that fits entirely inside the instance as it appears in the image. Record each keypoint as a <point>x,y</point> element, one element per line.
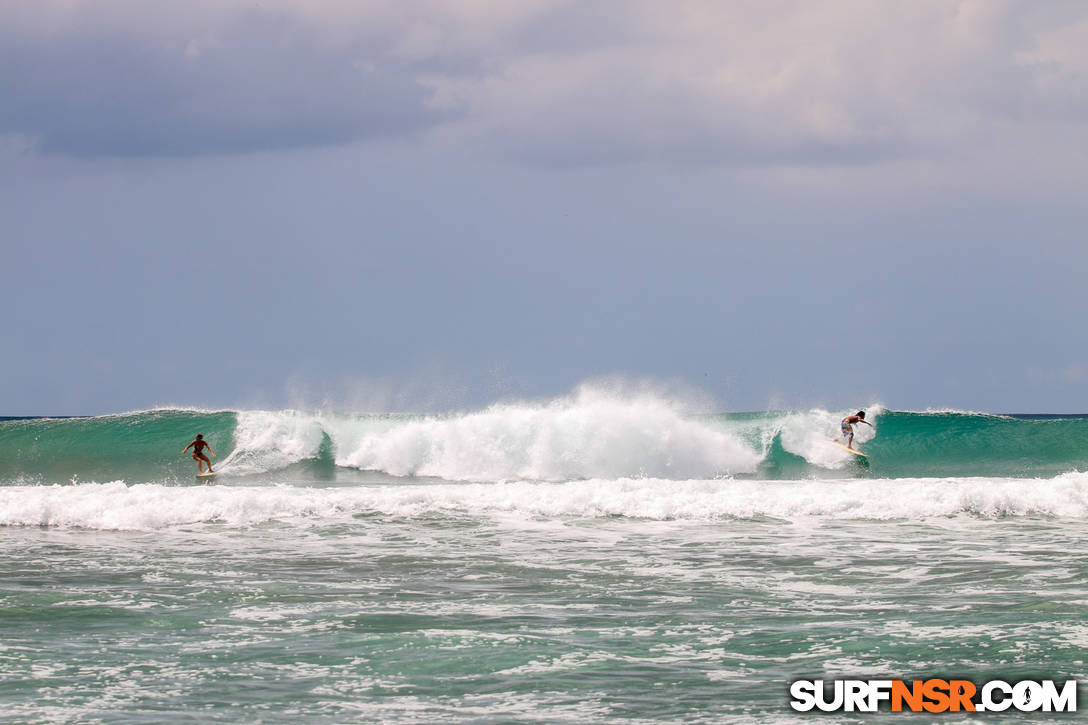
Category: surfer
<point>198,446</point>
<point>847,426</point>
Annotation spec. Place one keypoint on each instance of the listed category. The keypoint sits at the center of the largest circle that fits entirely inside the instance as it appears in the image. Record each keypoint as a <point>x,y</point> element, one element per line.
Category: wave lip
<point>266,441</point>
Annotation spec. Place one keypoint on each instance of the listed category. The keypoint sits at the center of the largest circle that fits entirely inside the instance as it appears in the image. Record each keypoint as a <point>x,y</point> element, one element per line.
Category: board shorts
<point>846,428</point>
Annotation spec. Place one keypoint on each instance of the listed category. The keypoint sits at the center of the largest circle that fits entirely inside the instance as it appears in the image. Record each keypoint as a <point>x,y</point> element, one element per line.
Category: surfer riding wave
<point>847,426</point>
<point>198,445</point>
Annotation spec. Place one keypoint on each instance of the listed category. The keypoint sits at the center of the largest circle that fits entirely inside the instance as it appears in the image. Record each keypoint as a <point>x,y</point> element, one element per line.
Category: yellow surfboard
<point>206,475</point>
<point>855,451</point>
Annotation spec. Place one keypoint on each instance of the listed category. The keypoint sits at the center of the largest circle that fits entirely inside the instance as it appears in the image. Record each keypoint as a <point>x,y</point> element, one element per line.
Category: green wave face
<point>133,447</point>
<point>507,443</point>
<point>911,445</point>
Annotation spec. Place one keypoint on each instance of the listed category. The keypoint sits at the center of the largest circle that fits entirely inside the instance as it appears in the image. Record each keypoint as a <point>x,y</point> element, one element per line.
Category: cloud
<point>794,83</point>
<point>249,80</point>
<point>774,84</point>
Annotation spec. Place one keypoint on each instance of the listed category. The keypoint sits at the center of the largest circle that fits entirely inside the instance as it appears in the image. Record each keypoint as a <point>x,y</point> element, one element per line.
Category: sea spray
<point>589,435</point>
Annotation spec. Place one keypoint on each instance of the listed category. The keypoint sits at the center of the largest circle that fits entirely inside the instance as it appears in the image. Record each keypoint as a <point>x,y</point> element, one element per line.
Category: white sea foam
<point>590,434</point>
<point>959,411</point>
<point>151,506</point>
<point>809,435</point>
<point>265,441</point>
<point>593,433</point>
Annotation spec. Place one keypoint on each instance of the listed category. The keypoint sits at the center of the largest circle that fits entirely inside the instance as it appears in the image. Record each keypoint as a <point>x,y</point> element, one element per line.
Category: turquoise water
<point>589,559</point>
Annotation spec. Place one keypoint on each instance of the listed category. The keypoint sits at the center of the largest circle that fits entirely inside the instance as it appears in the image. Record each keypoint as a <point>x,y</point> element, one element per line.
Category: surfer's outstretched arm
<point>183,450</point>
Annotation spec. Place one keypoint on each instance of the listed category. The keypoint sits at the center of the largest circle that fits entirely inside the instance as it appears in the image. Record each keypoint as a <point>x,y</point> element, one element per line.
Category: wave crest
<point>591,434</point>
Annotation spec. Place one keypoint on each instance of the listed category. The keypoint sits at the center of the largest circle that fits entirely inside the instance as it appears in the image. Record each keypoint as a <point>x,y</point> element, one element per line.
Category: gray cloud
<point>791,84</point>
<point>260,82</point>
<point>557,83</point>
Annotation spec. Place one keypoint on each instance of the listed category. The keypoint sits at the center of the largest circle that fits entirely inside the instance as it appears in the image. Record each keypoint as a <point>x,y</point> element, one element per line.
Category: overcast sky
<point>424,205</point>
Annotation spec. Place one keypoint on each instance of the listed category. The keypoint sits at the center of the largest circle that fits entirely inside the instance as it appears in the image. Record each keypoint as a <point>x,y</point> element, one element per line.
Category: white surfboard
<point>855,451</point>
<point>206,475</point>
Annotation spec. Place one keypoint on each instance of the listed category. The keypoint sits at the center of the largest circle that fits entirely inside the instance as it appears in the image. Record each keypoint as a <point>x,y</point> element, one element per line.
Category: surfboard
<point>206,475</point>
<point>855,451</point>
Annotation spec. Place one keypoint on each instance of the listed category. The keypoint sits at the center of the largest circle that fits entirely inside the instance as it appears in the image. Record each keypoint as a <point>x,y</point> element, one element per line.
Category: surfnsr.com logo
<point>933,695</point>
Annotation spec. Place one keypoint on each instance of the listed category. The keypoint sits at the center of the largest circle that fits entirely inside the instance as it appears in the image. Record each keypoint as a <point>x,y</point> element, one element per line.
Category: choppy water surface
<point>321,580</point>
<point>495,618</point>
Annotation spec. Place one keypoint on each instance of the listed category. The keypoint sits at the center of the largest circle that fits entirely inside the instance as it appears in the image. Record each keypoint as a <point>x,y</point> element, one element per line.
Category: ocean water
<point>593,558</point>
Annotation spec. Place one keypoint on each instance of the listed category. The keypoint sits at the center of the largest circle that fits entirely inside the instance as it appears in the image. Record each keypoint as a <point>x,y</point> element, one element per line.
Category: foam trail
<point>154,506</point>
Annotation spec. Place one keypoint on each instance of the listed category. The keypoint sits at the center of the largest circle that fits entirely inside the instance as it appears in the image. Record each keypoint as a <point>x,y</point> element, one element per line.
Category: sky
<point>427,205</point>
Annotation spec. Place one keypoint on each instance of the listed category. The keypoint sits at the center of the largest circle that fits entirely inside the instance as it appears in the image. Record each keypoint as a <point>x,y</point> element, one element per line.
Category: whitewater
<point>599,556</point>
